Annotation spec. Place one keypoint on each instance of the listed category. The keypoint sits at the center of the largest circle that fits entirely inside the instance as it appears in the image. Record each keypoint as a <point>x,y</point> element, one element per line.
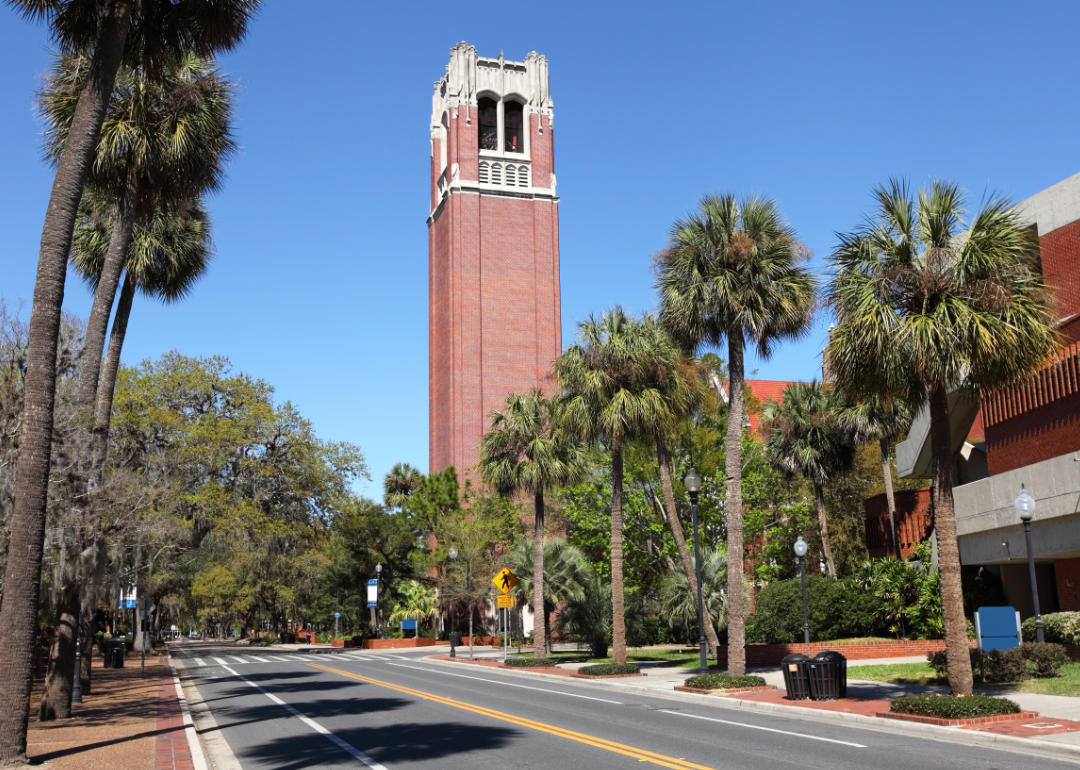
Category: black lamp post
<point>76,686</point>
<point>800,554</point>
<point>692,482</point>
<point>378,601</point>
<point>453,649</point>
<point>1025,504</point>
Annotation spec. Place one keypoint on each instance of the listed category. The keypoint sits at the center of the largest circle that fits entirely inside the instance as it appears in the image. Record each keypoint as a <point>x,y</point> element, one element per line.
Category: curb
<point>960,722</point>
<point>218,752</point>
<point>930,732</point>
<point>198,758</point>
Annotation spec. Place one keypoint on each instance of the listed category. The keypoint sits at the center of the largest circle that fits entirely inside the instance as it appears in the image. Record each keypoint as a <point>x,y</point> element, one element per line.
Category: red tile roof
<point>763,391</point>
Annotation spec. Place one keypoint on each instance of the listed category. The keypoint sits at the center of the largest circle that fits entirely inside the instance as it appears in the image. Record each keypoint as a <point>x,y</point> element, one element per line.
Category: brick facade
<point>1060,251</point>
<point>494,307</point>
<point>913,521</point>
<point>1067,574</point>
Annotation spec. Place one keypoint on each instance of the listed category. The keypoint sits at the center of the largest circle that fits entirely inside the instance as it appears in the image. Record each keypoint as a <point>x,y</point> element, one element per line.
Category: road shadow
<point>399,743</point>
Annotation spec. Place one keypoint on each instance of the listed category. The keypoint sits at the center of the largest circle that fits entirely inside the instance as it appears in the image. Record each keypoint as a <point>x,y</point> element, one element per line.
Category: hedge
<point>953,706</point>
<point>532,662</point>
<point>609,669</point>
<point>724,682</point>
<point>1058,628</point>
<point>1028,661</point>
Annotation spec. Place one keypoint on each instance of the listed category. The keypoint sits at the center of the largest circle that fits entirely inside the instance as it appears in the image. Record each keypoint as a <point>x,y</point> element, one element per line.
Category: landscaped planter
<point>959,722</point>
<point>400,644</point>
<point>602,676</point>
<point>719,691</point>
<point>343,643</point>
<point>481,641</point>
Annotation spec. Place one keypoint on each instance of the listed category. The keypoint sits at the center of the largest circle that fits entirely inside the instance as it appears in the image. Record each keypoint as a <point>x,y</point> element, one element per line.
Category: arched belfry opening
<point>513,134</point>
<point>488,112</point>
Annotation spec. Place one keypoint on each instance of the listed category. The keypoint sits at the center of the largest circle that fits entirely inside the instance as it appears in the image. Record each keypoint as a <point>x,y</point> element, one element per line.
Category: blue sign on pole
<point>408,625</point>
<point>337,614</point>
<point>373,592</point>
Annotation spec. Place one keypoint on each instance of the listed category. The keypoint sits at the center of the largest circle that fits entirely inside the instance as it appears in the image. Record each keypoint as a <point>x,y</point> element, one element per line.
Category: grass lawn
<point>681,657</point>
<point>921,673</point>
<point>897,673</point>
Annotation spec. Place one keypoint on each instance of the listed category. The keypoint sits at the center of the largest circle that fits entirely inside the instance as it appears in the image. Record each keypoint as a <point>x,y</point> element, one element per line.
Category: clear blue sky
<point>320,283</point>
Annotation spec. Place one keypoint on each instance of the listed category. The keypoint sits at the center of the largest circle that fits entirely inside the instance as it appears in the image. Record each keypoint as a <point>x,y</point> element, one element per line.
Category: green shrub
<point>723,682</point>
<point>609,669</point>
<point>1058,628</point>
<point>837,609</point>
<point>953,706</point>
<point>529,662</point>
<point>1028,661</point>
<point>265,640</point>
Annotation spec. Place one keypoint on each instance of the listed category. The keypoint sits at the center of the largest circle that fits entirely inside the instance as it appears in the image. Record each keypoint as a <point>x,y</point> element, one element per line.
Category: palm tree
<point>400,482</point>
<point>682,387</point>
<point>732,272</point>
<point>146,32</point>
<point>922,296</point>
<point>609,396</point>
<point>806,435</point>
<point>565,573</point>
<point>528,450</point>
<point>886,420</point>
<point>679,605</point>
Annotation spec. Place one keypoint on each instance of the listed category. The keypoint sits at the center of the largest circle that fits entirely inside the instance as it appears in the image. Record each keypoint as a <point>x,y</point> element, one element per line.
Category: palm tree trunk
<point>56,696</point>
<point>886,472</point>
<point>18,613</point>
<point>107,389</point>
<point>618,603</point>
<point>540,613</point>
<point>664,463</point>
<point>736,599</point>
<point>952,594</point>
<point>823,522</point>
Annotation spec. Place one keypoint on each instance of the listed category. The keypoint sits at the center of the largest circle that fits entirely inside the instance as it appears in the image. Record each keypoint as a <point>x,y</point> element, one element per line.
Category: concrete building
<point>493,246</point>
<point>1027,435</point>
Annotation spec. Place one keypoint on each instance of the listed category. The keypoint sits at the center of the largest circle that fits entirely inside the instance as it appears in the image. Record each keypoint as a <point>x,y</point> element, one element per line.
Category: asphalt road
<point>282,711</point>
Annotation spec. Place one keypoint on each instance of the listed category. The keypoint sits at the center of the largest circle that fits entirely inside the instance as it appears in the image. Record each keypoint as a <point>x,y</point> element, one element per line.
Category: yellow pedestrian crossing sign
<point>505,602</point>
<point>505,580</point>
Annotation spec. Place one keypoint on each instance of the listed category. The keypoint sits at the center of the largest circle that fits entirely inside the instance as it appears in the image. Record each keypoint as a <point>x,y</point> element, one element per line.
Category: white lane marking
<point>766,729</point>
<point>256,657</point>
<point>304,657</point>
<point>373,657</point>
<point>277,659</point>
<point>347,747</point>
<point>508,684</point>
<point>198,758</point>
<point>199,662</point>
<point>238,660</point>
<point>220,662</point>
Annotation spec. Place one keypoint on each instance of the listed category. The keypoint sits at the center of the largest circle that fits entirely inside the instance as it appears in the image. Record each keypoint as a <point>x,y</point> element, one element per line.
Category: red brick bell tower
<point>493,246</point>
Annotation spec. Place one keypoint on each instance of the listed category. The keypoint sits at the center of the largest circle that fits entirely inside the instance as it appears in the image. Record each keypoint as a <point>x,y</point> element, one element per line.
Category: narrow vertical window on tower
<point>512,116</point>
<point>489,124</point>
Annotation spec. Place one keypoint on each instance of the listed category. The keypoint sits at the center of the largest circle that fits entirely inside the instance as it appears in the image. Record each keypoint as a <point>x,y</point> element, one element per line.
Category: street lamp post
<point>453,648</point>
<point>1025,504</point>
<point>76,686</point>
<point>800,554</point>
<point>378,601</point>
<point>692,482</point>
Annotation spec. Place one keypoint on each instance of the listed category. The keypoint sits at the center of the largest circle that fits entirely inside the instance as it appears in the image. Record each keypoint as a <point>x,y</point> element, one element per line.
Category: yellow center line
<point>590,740</point>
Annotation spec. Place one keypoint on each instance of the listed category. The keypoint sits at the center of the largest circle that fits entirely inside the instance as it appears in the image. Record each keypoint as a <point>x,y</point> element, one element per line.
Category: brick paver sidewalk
<point>128,722</point>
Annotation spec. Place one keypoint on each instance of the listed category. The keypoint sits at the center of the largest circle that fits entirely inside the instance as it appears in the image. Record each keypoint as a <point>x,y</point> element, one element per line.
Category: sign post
<point>505,581</point>
<point>372,597</point>
<point>336,616</point>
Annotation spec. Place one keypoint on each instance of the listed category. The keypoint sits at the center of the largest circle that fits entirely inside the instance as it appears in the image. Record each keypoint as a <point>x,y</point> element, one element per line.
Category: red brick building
<point>493,246</point>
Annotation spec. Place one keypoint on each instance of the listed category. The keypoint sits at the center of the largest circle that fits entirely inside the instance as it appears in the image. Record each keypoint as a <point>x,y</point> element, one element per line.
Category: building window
<point>485,172</point>
<point>489,124</point>
<point>512,117</point>
<point>496,173</point>
<point>523,176</point>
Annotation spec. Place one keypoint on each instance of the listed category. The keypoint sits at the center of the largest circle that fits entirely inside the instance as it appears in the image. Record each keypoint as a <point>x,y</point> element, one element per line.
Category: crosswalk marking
<point>220,662</point>
<point>238,660</point>
<point>277,659</point>
<point>199,662</point>
<point>261,660</point>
